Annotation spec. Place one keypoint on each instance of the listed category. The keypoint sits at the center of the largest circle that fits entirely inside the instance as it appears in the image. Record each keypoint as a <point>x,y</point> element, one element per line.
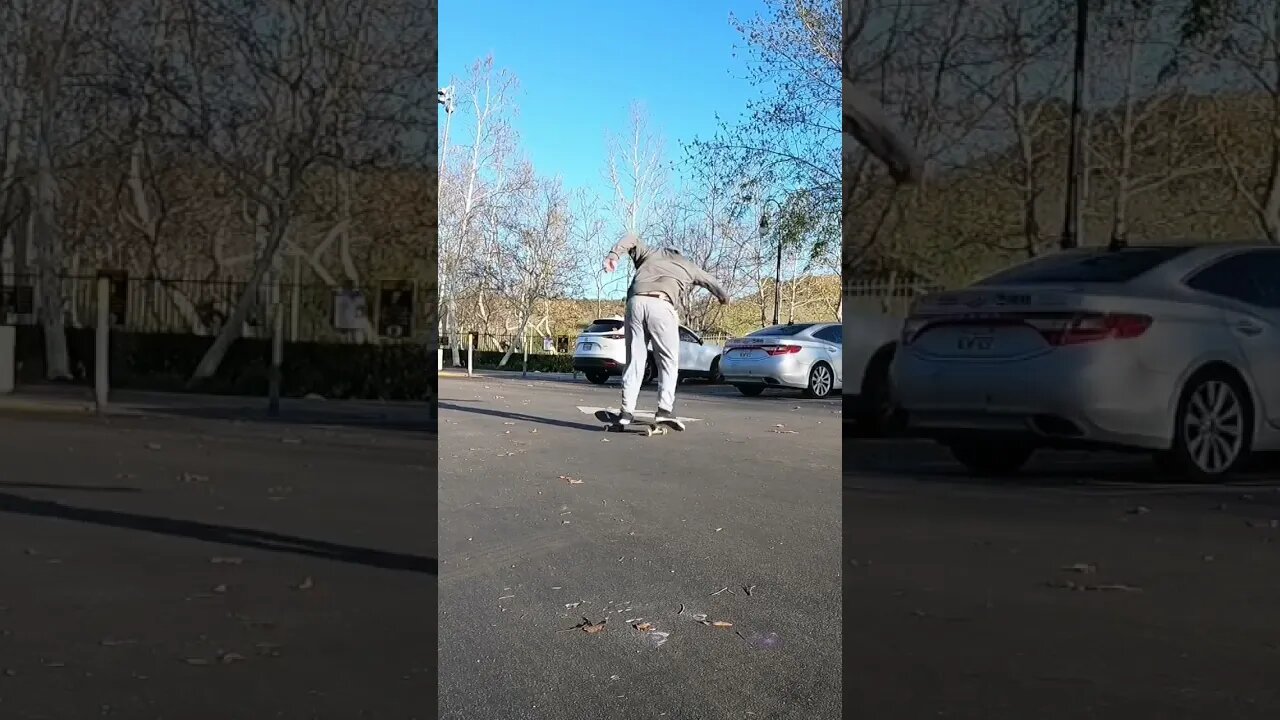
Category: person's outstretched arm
<point>630,243</point>
<point>866,122</point>
<point>702,278</point>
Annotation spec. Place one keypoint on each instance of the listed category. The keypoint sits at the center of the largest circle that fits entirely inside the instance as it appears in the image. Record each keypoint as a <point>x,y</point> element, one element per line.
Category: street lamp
<point>777,272</point>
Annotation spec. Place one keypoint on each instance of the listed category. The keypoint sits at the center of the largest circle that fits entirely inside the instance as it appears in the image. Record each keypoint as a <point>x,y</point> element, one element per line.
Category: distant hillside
<point>810,299</point>
<point>999,209</point>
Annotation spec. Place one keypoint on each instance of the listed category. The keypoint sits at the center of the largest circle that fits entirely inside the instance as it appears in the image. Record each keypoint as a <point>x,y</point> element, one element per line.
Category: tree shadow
<point>72,488</point>
<point>594,427</point>
<point>242,537</point>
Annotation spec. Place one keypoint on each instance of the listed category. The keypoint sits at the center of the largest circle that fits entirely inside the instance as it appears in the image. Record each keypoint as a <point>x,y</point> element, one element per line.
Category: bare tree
<point>269,93</point>
<point>1028,60</point>
<point>591,243</point>
<point>1240,40</point>
<point>637,171</point>
<point>61,111</point>
<point>1146,127</point>
<point>537,264</point>
<point>475,183</point>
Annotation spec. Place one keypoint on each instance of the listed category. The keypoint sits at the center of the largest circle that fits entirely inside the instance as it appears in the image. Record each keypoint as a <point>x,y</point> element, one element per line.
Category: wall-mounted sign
<point>350,310</point>
<point>395,310</point>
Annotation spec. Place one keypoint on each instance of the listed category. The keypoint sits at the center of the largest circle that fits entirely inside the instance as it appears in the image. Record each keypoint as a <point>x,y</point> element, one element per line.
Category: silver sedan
<point>1169,349</point>
<point>805,356</point>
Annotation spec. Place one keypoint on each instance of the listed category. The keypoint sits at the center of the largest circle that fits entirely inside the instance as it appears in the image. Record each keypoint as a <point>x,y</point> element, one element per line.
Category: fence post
<point>102,345</point>
<point>524,348</point>
<point>470,353</point>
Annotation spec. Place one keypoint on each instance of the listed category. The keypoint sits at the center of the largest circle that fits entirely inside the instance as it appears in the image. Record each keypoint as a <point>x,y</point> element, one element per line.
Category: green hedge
<point>489,359</point>
<point>154,361</point>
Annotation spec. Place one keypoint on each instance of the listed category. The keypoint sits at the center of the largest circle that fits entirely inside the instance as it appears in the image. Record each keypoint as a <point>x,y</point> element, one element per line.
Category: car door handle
<point>1248,328</point>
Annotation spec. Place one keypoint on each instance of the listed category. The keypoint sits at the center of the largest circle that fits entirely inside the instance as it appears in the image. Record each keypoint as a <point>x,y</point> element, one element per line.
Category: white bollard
<point>102,346</point>
<point>470,354</point>
<point>8,358</point>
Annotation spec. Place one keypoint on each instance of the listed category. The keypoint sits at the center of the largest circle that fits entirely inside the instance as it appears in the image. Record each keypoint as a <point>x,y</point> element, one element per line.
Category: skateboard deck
<point>648,427</point>
<point>644,421</point>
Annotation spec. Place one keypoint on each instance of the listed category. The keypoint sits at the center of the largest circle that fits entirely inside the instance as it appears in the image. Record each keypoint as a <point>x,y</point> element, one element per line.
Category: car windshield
<point>784,330</point>
<point>1116,266</point>
<point>604,326</point>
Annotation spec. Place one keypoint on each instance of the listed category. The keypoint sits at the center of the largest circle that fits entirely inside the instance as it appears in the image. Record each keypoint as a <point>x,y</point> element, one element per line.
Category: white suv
<point>870,341</point>
<point>601,353</point>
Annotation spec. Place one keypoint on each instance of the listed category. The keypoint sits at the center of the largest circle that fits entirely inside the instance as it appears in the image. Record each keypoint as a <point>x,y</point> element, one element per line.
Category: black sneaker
<point>666,417</point>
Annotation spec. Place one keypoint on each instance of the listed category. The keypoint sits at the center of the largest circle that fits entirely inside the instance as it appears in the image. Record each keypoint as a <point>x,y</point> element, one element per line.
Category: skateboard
<point>649,427</point>
<point>644,421</point>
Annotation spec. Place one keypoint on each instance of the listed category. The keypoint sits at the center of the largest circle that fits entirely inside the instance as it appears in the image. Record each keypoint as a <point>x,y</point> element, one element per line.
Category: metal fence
<point>392,312</point>
<point>886,297</point>
<point>560,343</point>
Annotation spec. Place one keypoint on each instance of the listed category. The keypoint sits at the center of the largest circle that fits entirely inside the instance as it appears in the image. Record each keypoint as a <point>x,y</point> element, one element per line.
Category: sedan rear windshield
<point>604,326</point>
<point>782,330</point>
<point>1116,266</point>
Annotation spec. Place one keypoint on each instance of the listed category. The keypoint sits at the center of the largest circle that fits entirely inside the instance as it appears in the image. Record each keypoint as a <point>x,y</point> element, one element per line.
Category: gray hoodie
<point>665,271</point>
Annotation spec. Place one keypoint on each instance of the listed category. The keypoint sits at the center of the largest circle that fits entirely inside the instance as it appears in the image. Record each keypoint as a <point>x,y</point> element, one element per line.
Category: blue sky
<point>582,63</point>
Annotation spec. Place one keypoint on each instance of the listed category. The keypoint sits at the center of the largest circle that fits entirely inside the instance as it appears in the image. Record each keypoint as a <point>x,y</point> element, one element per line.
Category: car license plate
<point>585,345</point>
<point>975,343</point>
<point>742,354</point>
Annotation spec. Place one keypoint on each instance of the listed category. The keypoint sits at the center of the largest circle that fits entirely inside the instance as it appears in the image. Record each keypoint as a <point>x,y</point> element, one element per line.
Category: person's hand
<point>610,262</point>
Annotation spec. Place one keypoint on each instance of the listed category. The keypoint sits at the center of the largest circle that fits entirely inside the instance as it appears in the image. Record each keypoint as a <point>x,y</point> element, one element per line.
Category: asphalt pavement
<point>1088,587</point>
<point>198,565</point>
<point>546,520</point>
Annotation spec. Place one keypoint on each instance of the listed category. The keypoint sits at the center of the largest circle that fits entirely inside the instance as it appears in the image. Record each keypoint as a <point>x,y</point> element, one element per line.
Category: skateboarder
<point>662,276</point>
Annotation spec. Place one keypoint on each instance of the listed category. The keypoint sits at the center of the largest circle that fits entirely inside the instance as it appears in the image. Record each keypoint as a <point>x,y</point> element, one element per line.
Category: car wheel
<point>878,411</point>
<point>715,377</point>
<point>821,381</point>
<point>1213,428</point>
<point>991,457</point>
<point>750,390</point>
<point>597,377</point>
<point>649,372</point>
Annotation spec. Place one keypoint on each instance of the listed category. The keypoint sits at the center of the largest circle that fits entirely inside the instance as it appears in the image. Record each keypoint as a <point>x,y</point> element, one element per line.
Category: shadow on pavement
<point>294,416</point>
<point>73,488</point>
<point>243,537</point>
<point>594,427</point>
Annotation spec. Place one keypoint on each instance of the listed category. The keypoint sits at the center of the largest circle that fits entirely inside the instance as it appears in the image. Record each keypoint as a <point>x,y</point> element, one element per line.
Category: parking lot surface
<point>194,565</point>
<point>547,520</point>
<point>1088,587</point>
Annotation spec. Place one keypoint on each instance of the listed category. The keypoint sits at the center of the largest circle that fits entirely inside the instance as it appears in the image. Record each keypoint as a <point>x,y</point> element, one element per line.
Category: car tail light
<point>781,349</point>
<point>614,336</point>
<point>1094,327</point>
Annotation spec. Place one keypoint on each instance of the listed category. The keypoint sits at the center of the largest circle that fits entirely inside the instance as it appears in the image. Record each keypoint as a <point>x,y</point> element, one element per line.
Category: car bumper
<point>781,371</point>
<point>1112,399</point>
<point>587,363</point>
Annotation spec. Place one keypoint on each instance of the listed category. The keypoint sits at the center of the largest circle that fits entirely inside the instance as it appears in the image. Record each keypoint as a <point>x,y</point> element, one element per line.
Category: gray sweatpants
<point>655,320</point>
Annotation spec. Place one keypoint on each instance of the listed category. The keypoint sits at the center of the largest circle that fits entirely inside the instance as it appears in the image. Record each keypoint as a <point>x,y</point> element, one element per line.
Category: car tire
<point>822,380</point>
<point>878,413</point>
<point>596,377</point>
<point>715,378</point>
<point>991,458</point>
<point>1219,401</point>
<point>649,373</point>
<point>750,390</point>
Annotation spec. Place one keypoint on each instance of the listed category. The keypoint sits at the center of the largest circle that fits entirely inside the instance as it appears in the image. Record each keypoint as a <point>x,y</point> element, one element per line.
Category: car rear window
<point>782,330</point>
<point>1103,266</point>
<point>604,326</point>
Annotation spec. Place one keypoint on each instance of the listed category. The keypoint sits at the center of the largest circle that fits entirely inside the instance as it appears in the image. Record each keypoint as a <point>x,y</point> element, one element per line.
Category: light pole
<point>445,97</point>
<point>777,272</point>
<point>1073,216</point>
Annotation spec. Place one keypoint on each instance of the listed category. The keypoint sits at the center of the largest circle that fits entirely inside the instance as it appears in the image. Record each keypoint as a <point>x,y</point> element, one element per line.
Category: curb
<point>64,408</point>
